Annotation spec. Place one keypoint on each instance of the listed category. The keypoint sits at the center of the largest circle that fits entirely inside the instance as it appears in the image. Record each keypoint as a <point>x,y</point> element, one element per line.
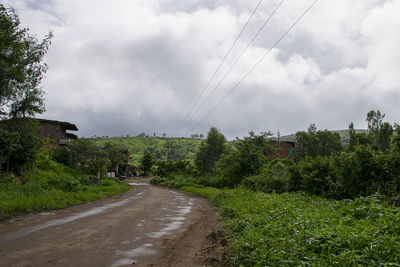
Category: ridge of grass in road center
<point>52,186</point>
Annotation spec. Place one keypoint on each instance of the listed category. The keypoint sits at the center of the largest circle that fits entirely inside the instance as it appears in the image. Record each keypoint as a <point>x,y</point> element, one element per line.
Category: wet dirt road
<point>147,226</point>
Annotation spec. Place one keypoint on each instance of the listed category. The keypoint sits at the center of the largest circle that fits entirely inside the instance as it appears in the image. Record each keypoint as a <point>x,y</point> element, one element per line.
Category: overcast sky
<point>121,67</point>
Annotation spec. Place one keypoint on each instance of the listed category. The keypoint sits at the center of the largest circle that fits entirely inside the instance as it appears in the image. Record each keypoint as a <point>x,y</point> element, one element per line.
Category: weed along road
<point>147,226</point>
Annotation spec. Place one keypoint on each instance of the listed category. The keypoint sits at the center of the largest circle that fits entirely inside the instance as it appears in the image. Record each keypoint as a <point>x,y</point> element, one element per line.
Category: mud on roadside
<point>203,244</point>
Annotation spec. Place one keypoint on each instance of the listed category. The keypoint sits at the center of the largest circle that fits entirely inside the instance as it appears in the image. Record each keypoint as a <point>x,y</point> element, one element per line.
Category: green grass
<point>52,186</point>
<point>185,147</point>
<point>294,229</point>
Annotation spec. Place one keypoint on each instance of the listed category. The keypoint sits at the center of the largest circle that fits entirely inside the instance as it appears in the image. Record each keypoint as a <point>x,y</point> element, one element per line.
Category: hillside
<point>344,135</point>
<point>176,148</point>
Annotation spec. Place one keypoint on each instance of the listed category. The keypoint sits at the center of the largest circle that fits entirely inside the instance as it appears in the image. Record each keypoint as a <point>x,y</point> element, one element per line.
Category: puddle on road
<point>131,255</point>
<point>134,183</point>
<point>31,229</point>
<point>46,213</point>
<point>169,222</point>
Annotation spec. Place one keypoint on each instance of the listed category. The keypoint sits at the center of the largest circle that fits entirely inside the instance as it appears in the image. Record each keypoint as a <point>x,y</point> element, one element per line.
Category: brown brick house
<point>285,148</point>
<point>56,131</point>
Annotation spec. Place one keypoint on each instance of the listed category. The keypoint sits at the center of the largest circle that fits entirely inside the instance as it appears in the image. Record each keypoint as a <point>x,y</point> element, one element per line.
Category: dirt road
<point>147,226</point>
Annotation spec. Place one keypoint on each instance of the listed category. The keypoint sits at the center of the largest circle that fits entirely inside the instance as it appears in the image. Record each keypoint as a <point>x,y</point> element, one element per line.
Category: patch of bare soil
<point>203,244</point>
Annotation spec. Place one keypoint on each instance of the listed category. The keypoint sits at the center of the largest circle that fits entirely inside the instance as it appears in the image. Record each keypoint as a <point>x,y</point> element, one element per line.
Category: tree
<point>82,150</point>
<point>115,154</point>
<point>379,132</point>
<point>147,162</point>
<point>21,67</point>
<point>246,158</point>
<point>396,139</point>
<point>210,151</point>
<point>18,144</point>
<point>383,138</point>
<point>315,143</point>
<point>172,150</point>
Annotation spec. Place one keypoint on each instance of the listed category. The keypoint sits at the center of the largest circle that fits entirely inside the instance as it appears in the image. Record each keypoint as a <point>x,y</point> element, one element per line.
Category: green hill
<point>176,148</point>
<point>344,135</point>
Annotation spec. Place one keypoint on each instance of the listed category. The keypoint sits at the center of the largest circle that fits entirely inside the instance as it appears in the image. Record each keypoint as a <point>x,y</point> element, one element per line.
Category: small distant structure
<point>285,148</point>
<point>56,131</point>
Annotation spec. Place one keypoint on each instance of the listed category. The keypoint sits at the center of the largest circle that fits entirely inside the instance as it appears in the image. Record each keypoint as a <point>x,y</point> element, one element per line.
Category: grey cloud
<point>127,72</point>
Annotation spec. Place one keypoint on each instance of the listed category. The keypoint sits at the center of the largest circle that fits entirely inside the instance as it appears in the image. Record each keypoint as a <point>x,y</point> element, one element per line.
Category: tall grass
<point>294,229</point>
<point>51,186</point>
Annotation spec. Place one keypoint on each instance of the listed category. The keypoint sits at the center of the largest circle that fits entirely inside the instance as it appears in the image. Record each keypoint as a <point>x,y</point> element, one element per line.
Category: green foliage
<point>396,140</point>
<point>293,229</point>
<point>82,150</point>
<point>210,151</point>
<point>165,168</point>
<point>316,143</point>
<point>19,144</point>
<point>183,148</point>
<point>62,155</point>
<point>21,67</point>
<point>357,139</point>
<point>114,153</point>
<point>175,181</point>
<point>379,132</point>
<point>51,185</point>
<point>274,177</point>
<point>147,163</point>
<point>89,156</point>
<point>245,158</point>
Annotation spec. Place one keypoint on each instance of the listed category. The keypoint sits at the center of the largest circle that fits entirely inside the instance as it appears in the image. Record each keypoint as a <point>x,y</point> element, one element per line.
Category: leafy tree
<point>98,161</point>
<point>147,162</point>
<point>396,139</point>
<point>172,150</point>
<point>379,132</point>
<point>82,151</point>
<point>384,135</point>
<point>246,158</point>
<point>114,153</point>
<point>21,67</point>
<point>21,144</point>
<point>210,151</point>
<point>315,143</point>
<point>375,121</point>
<point>357,139</point>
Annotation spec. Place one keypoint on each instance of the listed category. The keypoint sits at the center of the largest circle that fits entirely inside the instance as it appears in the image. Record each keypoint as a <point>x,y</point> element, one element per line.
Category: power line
<point>218,68</point>
<point>255,66</point>
<point>237,59</point>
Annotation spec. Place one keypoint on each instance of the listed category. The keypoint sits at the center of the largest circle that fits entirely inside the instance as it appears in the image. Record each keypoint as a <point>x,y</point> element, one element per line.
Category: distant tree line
<point>321,166</point>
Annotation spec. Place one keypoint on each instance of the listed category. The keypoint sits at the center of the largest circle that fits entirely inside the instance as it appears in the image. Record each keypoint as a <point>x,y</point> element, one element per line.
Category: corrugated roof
<point>67,125</point>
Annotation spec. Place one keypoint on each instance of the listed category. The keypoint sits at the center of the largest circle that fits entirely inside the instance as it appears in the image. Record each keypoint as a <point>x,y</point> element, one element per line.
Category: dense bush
<point>246,158</point>
<point>295,229</point>
<point>18,144</point>
<point>165,168</point>
<point>274,177</point>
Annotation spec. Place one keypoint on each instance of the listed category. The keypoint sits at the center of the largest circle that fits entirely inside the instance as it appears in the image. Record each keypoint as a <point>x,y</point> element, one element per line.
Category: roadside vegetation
<point>162,148</point>
<point>50,186</point>
<point>331,205</point>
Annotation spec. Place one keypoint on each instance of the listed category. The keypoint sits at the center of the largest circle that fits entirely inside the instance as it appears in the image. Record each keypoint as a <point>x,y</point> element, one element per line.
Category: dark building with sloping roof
<point>56,131</point>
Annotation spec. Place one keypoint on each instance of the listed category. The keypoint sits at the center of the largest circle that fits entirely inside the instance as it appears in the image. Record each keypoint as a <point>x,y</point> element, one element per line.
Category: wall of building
<point>286,149</point>
<point>55,132</point>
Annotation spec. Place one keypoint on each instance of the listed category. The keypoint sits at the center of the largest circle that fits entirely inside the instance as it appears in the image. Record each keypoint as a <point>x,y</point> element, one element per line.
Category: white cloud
<point>123,67</point>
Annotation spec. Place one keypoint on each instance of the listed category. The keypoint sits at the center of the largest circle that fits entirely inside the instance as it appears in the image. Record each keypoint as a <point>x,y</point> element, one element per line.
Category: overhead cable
<point>218,68</point>
<point>255,66</point>
<point>237,59</point>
